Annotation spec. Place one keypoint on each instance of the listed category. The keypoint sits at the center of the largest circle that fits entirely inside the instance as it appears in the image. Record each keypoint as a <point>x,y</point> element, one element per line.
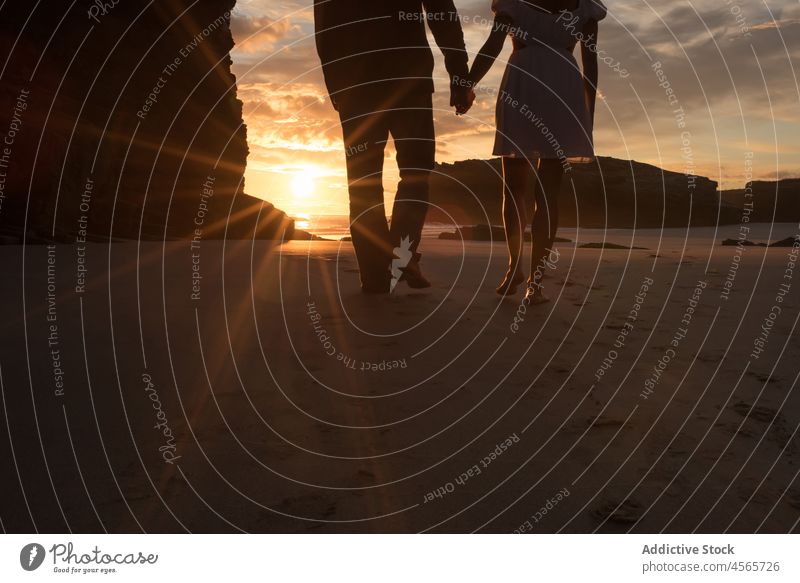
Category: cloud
<point>254,34</point>
<point>784,23</point>
<point>294,117</point>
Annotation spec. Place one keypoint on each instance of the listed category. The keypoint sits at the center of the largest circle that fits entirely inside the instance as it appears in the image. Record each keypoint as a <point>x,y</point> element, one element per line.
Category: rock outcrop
<point>771,201</point>
<point>123,122</point>
<point>609,193</point>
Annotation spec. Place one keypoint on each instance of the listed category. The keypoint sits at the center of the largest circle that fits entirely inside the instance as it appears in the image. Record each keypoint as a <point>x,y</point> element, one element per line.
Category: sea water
<point>337,226</point>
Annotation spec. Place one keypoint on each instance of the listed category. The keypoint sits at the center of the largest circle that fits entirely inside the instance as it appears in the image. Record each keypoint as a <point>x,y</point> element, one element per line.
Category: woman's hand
<point>465,105</point>
<point>488,54</point>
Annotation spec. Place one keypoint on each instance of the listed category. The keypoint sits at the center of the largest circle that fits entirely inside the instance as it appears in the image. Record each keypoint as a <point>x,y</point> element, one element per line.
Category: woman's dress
<point>541,106</point>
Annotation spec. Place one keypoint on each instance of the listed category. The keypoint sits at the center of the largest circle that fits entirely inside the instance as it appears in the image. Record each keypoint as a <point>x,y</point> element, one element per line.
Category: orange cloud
<point>256,34</point>
<point>294,117</point>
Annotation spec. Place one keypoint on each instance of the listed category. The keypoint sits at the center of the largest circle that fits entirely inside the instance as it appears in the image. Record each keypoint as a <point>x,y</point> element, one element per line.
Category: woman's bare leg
<point>515,218</point>
<point>545,219</point>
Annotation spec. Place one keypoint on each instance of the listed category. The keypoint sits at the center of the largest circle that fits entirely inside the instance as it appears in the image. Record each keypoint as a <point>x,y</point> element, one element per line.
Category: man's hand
<point>461,98</point>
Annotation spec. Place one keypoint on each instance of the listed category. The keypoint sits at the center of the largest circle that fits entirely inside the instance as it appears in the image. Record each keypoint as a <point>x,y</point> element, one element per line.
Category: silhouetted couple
<point>378,70</point>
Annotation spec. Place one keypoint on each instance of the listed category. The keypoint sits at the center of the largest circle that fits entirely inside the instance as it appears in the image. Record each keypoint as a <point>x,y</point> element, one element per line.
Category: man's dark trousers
<point>409,121</point>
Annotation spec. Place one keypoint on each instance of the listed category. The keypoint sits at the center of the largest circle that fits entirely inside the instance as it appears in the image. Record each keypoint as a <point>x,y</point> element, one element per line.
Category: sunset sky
<point>730,64</point>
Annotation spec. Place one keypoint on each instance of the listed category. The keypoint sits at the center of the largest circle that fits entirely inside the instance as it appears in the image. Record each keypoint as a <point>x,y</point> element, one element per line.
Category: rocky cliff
<point>120,120</point>
<point>608,193</point>
<point>771,201</point>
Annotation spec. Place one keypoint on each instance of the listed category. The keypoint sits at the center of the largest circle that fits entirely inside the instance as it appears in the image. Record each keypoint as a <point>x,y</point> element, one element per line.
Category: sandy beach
<point>264,393</point>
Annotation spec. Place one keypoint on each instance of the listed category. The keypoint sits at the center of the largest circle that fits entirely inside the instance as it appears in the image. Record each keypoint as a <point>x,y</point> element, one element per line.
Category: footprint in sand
<point>629,512</point>
<point>310,506</point>
<point>605,421</point>
<point>759,413</point>
<point>770,420</point>
<point>681,446</point>
<point>745,432</point>
<point>793,498</point>
<point>762,377</point>
<point>568,283</point>
<point>751,490</point>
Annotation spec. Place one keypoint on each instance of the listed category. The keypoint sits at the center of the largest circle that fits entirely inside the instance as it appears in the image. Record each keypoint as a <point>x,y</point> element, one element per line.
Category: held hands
<point>462,99</point>
<point>468,105</point>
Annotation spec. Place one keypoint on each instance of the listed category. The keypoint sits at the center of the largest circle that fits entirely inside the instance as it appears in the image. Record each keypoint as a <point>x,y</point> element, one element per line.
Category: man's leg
<point>411,127</point>
<point>365,135</point>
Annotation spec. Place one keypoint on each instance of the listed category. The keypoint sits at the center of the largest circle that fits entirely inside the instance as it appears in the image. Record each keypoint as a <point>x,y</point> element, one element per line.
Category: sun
<point>303,185</point>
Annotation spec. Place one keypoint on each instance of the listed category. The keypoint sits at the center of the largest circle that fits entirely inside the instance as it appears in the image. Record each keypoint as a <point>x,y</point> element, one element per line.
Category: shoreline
<point>759,232</point>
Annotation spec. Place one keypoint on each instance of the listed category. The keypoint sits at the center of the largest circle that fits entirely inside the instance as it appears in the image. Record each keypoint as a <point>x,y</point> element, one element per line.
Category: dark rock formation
<point>125,124</point>
<point>771,201</point>
<point>743,243</point>
<point>301,235</point>
<point>608,193</point>
<point>787,242</point>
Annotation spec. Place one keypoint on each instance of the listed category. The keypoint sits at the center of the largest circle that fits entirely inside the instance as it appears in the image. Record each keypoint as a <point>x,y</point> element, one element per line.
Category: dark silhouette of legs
<point>409,120</point>
<point>411,126</point>
<point>365,135</point>
<point>515,218</point>
<point>545,217</point>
